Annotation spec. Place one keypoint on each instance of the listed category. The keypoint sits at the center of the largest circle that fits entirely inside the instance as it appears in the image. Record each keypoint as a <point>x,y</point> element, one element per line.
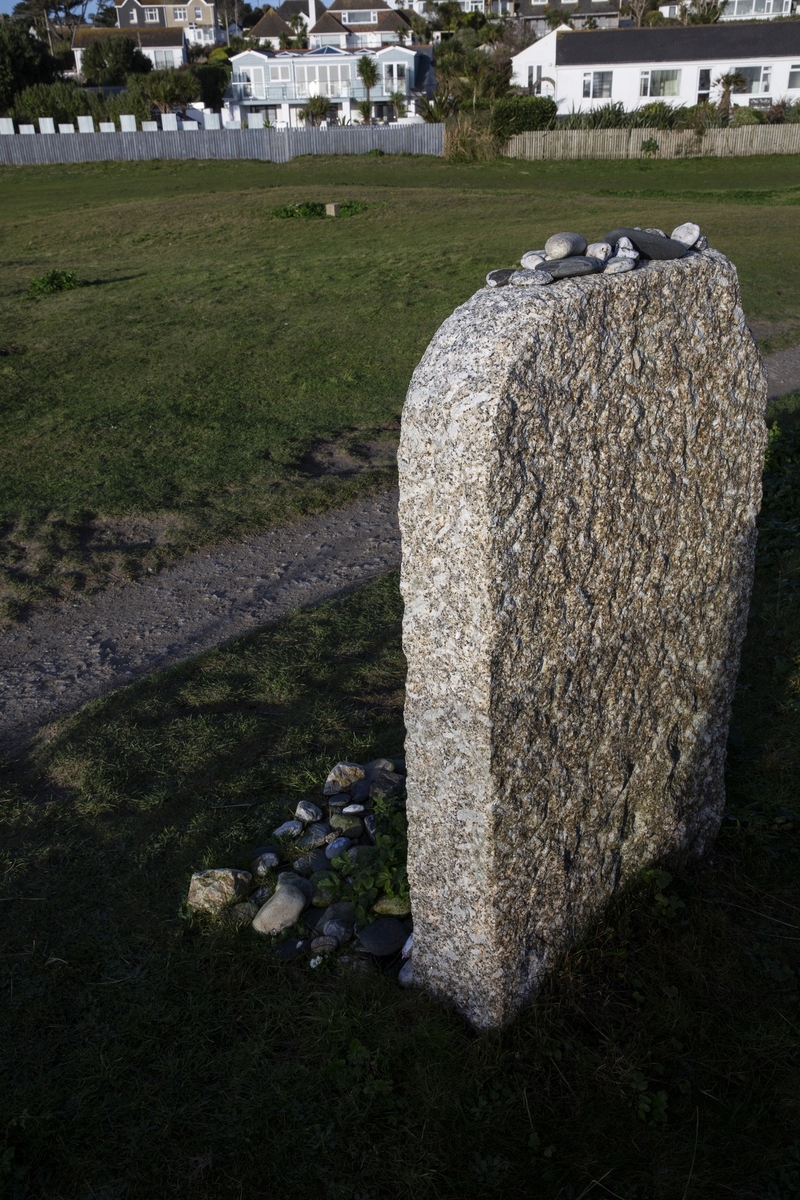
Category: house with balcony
<point>198,19</point>
<point>676,64</point>
<point>166,48</point>
<point>352,24</point>
<point>280,85</point>
<point>736,10</point>
<point>583,14</point>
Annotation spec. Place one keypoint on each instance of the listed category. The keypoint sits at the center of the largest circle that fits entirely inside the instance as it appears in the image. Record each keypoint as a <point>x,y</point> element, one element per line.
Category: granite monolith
<point>580,471</point>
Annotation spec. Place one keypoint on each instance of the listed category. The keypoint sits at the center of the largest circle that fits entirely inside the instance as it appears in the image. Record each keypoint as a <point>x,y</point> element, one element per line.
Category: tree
<point>23,61</point>
<point>365,109</point>
<point>109,62</point>
<point>213,78</point>
<point>44,13</point>
<point>639,10</point>
<point>733,81</point>
<point>105,15</point>
<point>398,99</point>
<point>316,110</point>
<point>706,12</point>
<point>171,89</point>
<point>556,17</point>
<point>367,70</point>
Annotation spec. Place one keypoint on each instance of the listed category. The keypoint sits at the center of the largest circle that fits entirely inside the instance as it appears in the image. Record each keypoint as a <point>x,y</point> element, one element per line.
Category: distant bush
<point>312,210</point>
<point>470,139</point>
<point>376,153</point>
<point>55,281</point>
<point>517,114</point>
<point>747,116</point>
<point>213,78</point>
<point>109,62</point>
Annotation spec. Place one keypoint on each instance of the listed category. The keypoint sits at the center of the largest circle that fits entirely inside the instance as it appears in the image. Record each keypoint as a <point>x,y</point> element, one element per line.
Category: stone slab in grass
<point>580,471</point>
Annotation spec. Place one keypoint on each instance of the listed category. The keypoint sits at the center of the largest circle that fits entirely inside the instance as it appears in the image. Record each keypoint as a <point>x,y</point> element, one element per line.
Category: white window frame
<point>347,17</point>
<point>134,17</point>
<point>794,69</point>
<point>646,82</point>
<point>762,84</point>
<point>179,14</point>
<point>591,82</point>
<point>198,14</point>
<point>151,16</point>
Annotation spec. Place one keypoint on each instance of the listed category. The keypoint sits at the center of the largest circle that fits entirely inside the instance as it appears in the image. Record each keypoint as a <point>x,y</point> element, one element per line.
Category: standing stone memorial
<point>580,469</point>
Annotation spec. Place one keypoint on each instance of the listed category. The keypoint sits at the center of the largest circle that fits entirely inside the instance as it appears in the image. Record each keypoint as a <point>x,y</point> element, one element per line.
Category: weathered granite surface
<point>579,481</point>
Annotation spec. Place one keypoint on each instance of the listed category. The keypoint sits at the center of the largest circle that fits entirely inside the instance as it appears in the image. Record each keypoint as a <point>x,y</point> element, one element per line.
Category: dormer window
<point>356,16</point>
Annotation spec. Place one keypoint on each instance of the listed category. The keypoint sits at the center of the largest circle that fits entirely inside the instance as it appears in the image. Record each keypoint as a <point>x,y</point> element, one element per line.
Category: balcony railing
<point>276,93</point>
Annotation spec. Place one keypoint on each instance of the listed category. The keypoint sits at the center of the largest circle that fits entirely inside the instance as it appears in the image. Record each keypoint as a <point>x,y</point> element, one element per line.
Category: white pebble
<point>405,977</point>
<point>599,250</point>
<point>353,808</point>
<point>531,259</point>
<point>408,946</point>
<point>530,279</point>
<point>688,233</point>
<point>616,266</point>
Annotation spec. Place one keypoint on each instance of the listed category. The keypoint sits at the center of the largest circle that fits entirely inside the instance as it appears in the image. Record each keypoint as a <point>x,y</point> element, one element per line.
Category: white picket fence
<point>673,143</point>
<point>29,148</point>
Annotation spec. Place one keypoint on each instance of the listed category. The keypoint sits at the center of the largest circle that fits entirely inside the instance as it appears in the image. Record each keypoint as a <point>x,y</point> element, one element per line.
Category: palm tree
<point>367,70</point>
<point>733,81</point>
<point>316,110</point>
<point>398,99</point>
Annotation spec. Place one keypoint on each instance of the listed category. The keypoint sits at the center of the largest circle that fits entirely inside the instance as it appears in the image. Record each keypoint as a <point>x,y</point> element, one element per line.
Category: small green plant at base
<point>379,873</point>
<point>313,210</point>
<point>659,881</point>
<point>376,153</point>
<point>650,147</point>
<point>55,281</point>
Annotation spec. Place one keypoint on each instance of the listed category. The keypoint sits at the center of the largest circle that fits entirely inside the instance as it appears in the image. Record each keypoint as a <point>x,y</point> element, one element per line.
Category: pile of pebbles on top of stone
<point>566,255</point>
<point>283,889</point>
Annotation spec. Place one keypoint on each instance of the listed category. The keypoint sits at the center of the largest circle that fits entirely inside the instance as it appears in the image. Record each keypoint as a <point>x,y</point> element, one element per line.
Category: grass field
<point>225,371</point>
<point>144,1057</point>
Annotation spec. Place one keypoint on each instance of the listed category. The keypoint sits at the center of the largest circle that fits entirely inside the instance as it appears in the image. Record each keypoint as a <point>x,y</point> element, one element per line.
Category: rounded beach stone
<point>289,879</point>
<point>651,245</point>
<point>382,937</point>
<point>563,245</point>
<point>498,278</point>
<point>701,243</point>
<point>288,829</point>
<point>566,268</point>
<point>688,233</point>
<point>342,778</point>
<point>281,911</point>
<point>353,810</point>
<point>340,846</point>
<point>531,278</point>
<point>392,906</point>
<point>657,232</point>
<point>531,259</point>
<point>317,836</point>
<point>347,825</point>
<point>405,976</point>
<point>385,783</point>
<point>306,811</point>
<point>210,891</point>
<point>618,266</point>
<point>264,864</point>
<point>599,250</point>
<point>324,945</point>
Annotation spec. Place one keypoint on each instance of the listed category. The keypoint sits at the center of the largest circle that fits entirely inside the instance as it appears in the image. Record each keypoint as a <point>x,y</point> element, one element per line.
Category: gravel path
<point>61,658</point>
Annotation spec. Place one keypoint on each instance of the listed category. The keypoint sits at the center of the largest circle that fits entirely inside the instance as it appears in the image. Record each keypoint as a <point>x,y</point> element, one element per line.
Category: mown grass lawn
<point>144,1057</point>
<point>225,371</point>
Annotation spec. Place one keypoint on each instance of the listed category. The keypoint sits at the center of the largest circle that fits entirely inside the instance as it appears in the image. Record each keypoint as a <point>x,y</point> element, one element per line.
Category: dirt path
<point>59,659</point>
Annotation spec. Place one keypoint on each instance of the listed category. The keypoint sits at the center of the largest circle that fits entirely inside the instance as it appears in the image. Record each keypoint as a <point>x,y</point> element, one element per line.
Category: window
<point>358,17</point>
<point>794,76</point>
<point>279,74</point>
<point>757,79</point>
<point>597,85</point>
<point>394,77</point>
<point>660,83</point>
<point>179,14</point>
<point>330,79</point>
<point>151,16</point>
<point>162,59</point>
<point>198,14</point>
<point>704,85</point>
<point>134,17</point>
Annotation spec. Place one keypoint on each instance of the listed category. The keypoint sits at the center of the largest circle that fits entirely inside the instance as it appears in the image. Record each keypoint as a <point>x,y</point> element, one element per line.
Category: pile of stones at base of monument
<point>566,255</point>
<point>327,887</point>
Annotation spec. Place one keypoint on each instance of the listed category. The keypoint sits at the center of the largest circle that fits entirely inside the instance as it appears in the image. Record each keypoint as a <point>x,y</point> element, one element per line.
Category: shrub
<point>109,62</point>
<point>516,114</point>
<point>470,139</point>
<point>747,116</point>
<point>312,210</point>
<point>64,102</point>
<point>213,79</point>
<point>24,61</point>
<point>55,281</point>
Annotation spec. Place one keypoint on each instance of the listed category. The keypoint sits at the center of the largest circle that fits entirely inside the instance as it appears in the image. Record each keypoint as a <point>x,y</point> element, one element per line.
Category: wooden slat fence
<point>269,145</point>
<point>675,143</point>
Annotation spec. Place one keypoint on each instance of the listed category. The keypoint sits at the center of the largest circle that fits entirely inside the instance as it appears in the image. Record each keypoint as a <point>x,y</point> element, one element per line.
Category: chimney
<point>312,13</point>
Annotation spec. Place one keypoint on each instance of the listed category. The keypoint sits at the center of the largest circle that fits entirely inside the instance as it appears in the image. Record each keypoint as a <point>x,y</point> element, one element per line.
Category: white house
<point>736,10</point>
<point>349,24</point>
<point>197,18</point>
<point>677,64</point>
<point>279,85</point>
<point>164,47</point>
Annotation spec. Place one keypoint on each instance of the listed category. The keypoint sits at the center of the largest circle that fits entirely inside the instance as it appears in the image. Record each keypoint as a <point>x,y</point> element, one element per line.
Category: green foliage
<point>650,147</point>
<point>24,62</point>
<point>64,102</point>
<point>779,525</point>
<point>379,873</point>
<point>312,210</point>
<point>109,62</point>
<point>315,110</point>
<point>747,116</point>
<point>516,114</point>
<point>105,15</point>
<point>213,78</point>
<point>470,138</point>
<point>166,90</point>
<point>55,281</point>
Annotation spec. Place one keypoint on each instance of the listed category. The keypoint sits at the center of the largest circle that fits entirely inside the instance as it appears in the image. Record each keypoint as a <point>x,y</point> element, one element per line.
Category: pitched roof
<point>328,24</point>
<point>271,25</point>
<point>686,43</point>
<point>141,37</point>
<point>292,8</point>
<point>584,8</point>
